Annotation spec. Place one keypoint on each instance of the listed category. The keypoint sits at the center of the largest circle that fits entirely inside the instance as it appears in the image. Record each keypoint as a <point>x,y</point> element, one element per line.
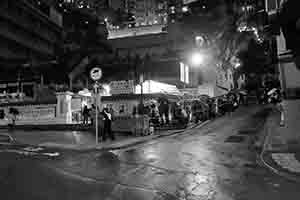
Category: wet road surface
<point>200,163</point>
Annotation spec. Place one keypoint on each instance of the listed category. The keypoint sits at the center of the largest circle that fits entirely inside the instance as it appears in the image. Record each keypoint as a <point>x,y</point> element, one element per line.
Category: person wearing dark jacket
<point>85,114</point>
<point>107,118</point>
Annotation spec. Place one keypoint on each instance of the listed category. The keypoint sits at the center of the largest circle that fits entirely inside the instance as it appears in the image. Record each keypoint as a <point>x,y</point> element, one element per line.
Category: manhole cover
<point>247,132</point>
<point>235,139</point>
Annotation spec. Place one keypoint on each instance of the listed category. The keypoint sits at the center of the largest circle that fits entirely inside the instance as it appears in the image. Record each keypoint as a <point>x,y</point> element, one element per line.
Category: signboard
<point>188,1</point>
<point>96,73</point>
<point>122,87</point>
<point>76,104</point>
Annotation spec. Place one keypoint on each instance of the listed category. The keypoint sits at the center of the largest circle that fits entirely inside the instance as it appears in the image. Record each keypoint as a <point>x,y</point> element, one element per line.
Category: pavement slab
<point>287,161</point>
<point>282,144</point>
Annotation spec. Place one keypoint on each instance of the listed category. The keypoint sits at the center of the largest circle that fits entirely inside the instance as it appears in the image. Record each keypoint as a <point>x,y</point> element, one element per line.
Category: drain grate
<point>235,139</point>
<point>247,132</point>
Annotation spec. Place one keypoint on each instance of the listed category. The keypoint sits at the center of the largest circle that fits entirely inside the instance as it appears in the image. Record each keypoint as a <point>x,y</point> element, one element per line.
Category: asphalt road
<point>199,163</point>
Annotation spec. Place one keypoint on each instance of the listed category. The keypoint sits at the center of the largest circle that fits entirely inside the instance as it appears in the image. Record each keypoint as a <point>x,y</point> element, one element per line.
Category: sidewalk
<point>84,141</point>
<point>281,150</point>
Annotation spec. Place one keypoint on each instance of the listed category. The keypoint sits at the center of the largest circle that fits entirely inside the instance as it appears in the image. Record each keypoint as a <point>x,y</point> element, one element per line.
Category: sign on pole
<point>96,73</point>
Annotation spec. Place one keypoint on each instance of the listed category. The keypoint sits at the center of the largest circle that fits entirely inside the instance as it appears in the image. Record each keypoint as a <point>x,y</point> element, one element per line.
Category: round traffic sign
<point>96,73</point>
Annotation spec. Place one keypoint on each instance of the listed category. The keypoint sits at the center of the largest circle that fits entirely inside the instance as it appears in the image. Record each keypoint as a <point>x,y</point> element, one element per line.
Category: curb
<point>264,158</point>
<point>94,147</point>
<point>139,142</point>
<point>91,148</point>
<point>200,125</point>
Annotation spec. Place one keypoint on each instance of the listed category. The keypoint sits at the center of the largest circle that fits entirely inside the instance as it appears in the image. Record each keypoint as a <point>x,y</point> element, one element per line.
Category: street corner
<point>285,164</point>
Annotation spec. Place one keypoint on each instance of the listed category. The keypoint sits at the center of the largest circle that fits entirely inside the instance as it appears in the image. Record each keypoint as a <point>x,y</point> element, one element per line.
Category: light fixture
<point>196,59</point>
<point>237,65</point>
<point>185,9</point>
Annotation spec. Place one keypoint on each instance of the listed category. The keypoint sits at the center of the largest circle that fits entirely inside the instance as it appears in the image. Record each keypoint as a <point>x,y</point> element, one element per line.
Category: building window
<point>186,71</point>
<point>28,89</point>
<point>2,114</point>
<point>182,72</point>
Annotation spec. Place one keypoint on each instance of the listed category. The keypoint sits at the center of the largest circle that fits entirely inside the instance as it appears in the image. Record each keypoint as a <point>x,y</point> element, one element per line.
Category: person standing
<point>107,118</point>
<point>92,114</point>
<point>99,119</point>
<point>85,113</point>
<point>275,97</point>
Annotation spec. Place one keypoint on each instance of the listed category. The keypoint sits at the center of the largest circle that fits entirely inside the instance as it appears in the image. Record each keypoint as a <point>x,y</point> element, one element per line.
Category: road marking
<point>51,154</point>
<point>33,149</point>
<point>28,153</point>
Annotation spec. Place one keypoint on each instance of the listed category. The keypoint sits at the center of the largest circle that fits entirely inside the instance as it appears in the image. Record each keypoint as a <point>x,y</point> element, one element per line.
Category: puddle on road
<point>132,155</point>
<point>248,132</point>
<point>107,158</point>
<point>160,173</point>
<point>252,165</point>
<point>235,139</point>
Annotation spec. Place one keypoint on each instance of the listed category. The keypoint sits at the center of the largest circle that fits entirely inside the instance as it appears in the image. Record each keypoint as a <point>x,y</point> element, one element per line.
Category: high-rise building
<point>30,30</point>
<point>117,4</point>
<point>147,12</point>
<point>30,34</point>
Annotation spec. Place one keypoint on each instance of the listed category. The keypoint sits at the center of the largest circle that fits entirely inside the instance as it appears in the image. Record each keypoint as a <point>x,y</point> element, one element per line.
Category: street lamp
<point>237,65</point>
<point>196,59</point>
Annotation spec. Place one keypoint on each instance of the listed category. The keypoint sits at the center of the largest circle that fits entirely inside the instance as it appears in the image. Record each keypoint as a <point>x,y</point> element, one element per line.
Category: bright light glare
<point>185,9</point>
<point>237,65</point>
<point>196,59</point>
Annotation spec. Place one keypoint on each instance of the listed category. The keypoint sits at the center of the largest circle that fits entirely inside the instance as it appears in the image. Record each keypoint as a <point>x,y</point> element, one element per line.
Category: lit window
<point>182,71</point>
<point>186,73</point>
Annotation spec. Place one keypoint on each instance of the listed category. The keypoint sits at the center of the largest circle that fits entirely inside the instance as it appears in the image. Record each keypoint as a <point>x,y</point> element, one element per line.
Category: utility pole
<point>142,92</point>
<point>19,81</point>
<point>96,74</point>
